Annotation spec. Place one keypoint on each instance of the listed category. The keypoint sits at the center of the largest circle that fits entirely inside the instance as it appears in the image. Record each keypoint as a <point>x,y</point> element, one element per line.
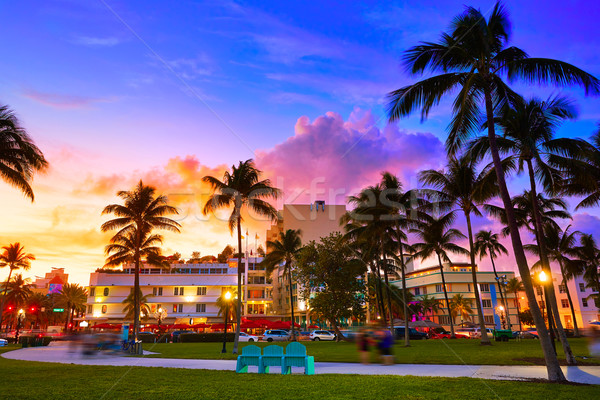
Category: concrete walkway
<point>61,354</point>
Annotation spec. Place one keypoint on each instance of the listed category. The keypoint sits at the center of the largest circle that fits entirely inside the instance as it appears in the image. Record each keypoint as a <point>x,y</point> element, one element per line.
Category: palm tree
<point>19,291</point>
<point>19,156</point>
<point>129,303</point>
<point>589,253</point>
<point>437,239</point>
<point>429,304</point>
<point>473,59</point>
<point>514,285</point>
<point>284,250</point>
<point>142,212</point>
<point>73,297</point>
<point>242,187</point>
<point>528,137</point>
<point>460,306</point>
<point>13,257</point>
<point>560,248</point>
<point>460,186</point>
<point>487,244</point>
<point>223,304</point>
<point>41,306</point>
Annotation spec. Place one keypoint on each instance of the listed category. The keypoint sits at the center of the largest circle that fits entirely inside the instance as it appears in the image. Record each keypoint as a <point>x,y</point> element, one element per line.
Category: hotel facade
<point>188,292</point>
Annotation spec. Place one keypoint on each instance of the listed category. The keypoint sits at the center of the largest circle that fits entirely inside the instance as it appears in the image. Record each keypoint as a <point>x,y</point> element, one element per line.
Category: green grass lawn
<point>459,351</point>
<point>33,380</point>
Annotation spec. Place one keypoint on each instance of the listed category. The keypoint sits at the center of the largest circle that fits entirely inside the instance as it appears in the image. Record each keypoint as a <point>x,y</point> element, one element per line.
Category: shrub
<point>35,341</point>
<point>205,337</point>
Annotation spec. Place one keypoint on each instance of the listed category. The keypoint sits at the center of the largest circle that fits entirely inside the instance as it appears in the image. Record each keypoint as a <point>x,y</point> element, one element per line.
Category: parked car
<point>470,332</point>
<point>3,342</point>
<point>446,335</point>
<point>528,334</point>
<point>244,337</point>
<point>490,332</point>
<point>321,335</point>
<point>413,334</point>
<point>276,335</point>
<point>175,335</point>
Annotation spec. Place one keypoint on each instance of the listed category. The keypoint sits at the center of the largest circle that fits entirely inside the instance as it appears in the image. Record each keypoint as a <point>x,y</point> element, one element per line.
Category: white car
<point>3,342</point>
<point>321,335</point>
<point>244,337</point>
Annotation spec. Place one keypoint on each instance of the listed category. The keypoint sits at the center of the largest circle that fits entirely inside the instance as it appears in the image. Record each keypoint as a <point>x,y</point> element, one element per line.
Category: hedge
<point>205,337</point>
<point>34,341</point>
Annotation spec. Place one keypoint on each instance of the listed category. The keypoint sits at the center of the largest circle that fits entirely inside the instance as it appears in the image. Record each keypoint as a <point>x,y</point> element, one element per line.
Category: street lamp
<point>227,297</point>
<point>20,316</point>
<point>543,278</point>
<point>502,318</point>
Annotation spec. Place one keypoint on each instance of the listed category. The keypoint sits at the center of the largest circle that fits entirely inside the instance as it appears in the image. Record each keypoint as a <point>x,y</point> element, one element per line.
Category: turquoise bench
<point>295,356</point>
<point>250,356</point>
<point>272,357</point>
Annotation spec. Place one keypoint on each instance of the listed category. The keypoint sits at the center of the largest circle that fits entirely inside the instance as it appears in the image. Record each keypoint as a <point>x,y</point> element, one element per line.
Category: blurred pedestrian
<point>385,344</point>
<point>363,342</point>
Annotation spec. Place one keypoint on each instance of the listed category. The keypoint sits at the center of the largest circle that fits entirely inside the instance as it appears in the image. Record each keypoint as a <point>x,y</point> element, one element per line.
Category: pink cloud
<point>63,101</point>
<point>330,158</point>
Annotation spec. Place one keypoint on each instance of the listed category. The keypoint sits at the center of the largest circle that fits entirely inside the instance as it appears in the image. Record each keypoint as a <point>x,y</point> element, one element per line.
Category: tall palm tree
<point>462,187</point>
<point>528,137</point>
<point>140,214</point>
<point>437,238</point>
<point>13,257</point>
<point>514,285</point>
<point>241,188</point>
<point>20,158</point>
<point>460,306</point>
<point>487,244</point>
<point>223,304</point>
<point>284,250</point>
<point>19,290</point>
<point>560,248</point>
<point>129,303</point>
<point>472,60</point>
<point>73,297</point>
<point>589,253</point>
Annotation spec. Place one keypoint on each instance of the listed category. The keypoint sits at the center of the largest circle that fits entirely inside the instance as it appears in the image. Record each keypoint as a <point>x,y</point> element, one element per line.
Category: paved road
<point>61,354</point>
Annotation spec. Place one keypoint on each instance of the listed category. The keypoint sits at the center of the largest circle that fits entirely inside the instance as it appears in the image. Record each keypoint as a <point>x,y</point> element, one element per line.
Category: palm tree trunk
<point>289,274</point>
<point>238,317</point>
<point>502,298</point>
<point>10,270</point>
<point>67,318</point>
<point>555,373</point>
<point>546,266</point>
<point>565,284</point>
<point>452,334</point>
<point>518,310</point>
<point>405,305</point>
<point>389,295</point>
<point>380,296</point>
<point>485,340</point>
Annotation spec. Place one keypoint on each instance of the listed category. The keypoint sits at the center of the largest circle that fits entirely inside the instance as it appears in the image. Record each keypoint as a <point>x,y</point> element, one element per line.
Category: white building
<point>188,292</point>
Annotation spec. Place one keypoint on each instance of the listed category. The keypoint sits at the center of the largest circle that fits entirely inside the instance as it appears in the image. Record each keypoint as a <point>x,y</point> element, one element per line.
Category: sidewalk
<point>60,354</point>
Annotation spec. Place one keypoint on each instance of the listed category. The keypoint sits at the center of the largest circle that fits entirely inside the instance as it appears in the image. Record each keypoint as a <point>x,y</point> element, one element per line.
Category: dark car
<point>413,334</point>
<point>175,335</point>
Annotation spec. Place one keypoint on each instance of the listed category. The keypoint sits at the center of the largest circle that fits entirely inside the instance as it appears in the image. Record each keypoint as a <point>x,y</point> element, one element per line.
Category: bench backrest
<point>295,349</point>
<point>251,350</point>
<point>273,350</point>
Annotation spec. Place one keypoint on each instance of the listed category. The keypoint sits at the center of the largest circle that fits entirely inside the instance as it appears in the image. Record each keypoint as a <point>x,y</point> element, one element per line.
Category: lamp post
<point>160,316</point>
<point>227,296</point>
<point>502,318</point>
<point>543,279</point>
<point>20,316</point>
<point>502,286</point>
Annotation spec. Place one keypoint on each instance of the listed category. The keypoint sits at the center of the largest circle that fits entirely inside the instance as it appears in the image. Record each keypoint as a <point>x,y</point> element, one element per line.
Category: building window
<point>488,319</point>
<point>485,287</point>
<point>562,289</point>
<point>424,289</point>
<point>487,303</point>
<point>200,308</point>
<point>564,303</point>
<point>178,291</point>
<point>439,288</point>
<point>90,309</point>
<point>92,291</point>
<point>106,291</point>
<point>201,291</point>
<point>539,290</point>
<point>177,308</point>
<point>417,291</point>
<point>104,309</point>
<point>157,291</point>
<point>444,319</point>
<point>584,302</point>
<point>468,287</point>
<point>582,287</point>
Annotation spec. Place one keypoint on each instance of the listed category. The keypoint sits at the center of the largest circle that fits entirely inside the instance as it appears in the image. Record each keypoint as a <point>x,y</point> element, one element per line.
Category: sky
<point>168,92</point>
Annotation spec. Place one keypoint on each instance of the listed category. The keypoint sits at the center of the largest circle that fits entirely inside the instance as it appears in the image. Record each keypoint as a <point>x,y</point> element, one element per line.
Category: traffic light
<point>10,308</point>
<point>33,309</point>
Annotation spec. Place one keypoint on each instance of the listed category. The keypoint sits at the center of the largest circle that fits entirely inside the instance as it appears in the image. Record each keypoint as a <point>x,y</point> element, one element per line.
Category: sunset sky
<point>117,91</point>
